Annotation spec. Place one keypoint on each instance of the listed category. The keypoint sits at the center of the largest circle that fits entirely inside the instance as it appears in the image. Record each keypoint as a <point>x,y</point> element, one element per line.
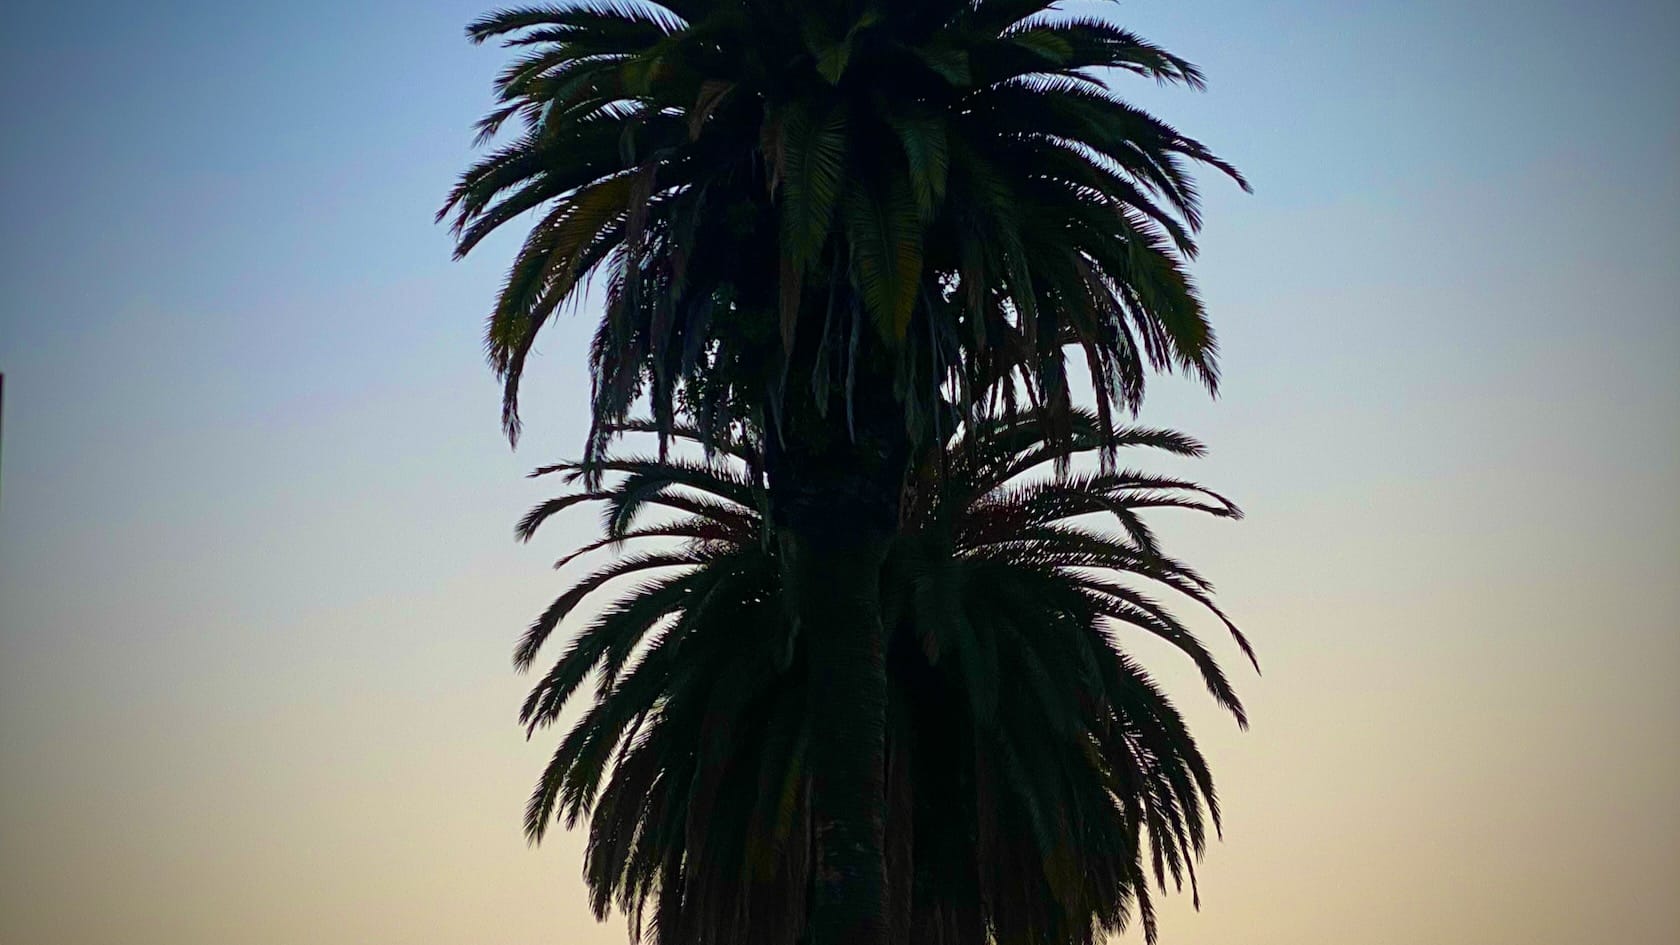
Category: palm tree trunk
<point>835,504</point>
<point>835,588</point>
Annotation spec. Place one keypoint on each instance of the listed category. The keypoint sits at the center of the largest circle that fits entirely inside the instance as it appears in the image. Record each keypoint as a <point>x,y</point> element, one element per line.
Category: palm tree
<point>822,218</point>
<point>1035,776</point>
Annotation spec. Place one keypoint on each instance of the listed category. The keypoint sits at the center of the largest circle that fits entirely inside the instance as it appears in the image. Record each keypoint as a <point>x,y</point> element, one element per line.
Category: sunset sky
<point>259,590</point>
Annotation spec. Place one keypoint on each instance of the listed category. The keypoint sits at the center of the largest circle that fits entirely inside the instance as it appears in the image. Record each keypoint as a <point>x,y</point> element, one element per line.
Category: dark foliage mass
<point>942,195</point>
<point>1037,778</point>
<point>851,248</point>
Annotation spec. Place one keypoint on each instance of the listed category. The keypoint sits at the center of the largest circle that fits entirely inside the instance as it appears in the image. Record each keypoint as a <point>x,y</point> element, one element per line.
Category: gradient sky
<point>258,588</point>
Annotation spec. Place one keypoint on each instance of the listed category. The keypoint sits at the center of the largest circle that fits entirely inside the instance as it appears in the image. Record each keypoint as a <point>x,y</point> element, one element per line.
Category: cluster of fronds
<point>1037,778</point>
<point>767,187</point>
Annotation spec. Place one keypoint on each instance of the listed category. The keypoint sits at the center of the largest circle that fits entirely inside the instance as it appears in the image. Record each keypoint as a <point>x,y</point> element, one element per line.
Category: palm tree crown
<point>1036,777</point>
<point>933,194</point>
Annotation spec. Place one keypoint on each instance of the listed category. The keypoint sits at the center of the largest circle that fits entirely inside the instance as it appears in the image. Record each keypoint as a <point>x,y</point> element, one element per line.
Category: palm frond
<point>1039,781</point>
<point>896,159</point>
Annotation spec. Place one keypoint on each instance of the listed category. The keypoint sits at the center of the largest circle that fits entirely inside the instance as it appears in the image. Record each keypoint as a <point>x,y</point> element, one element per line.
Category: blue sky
<point>257,584</point>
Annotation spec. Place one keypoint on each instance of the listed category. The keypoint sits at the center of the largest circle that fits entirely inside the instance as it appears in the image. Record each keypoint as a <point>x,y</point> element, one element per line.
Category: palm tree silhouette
<point>1035,777</point>
<point>825,218</point>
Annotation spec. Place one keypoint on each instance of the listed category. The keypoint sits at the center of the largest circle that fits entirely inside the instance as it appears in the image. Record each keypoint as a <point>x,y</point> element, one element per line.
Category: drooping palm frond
<point>1039,783</point>
<point>947,192</point>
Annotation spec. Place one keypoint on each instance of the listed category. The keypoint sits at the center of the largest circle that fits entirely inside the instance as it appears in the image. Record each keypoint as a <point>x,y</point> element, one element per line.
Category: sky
<point>258,586</point>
